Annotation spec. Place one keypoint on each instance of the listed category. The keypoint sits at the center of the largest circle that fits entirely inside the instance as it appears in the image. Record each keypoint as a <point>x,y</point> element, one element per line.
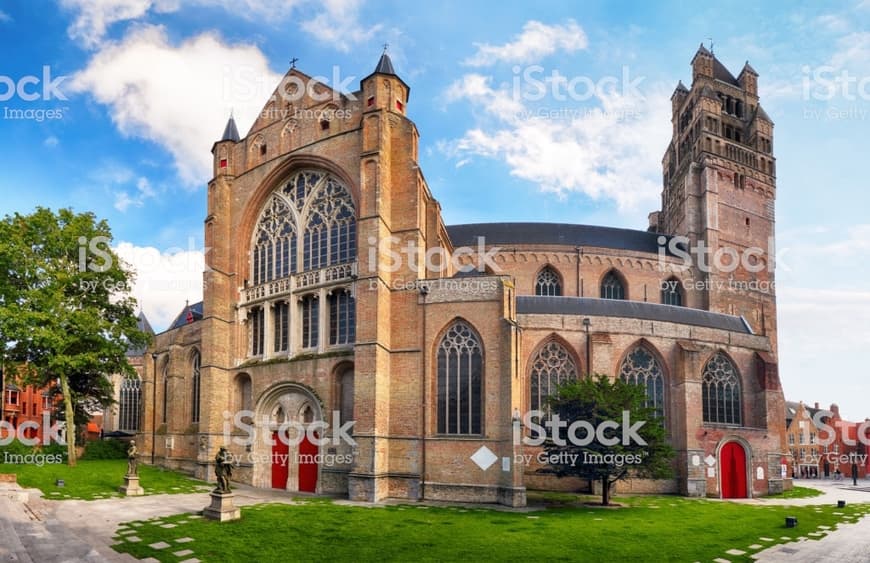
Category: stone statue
<point>223,470</point>
<point>132,454</point>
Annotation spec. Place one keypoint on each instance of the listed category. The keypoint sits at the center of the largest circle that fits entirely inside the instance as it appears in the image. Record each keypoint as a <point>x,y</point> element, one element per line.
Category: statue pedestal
<point>222,508</point>
<point>131,486</point>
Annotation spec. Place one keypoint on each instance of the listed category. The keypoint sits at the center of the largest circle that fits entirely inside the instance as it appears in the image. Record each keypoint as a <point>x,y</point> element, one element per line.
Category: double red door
<point>306,458</point>
<point>732,470</point>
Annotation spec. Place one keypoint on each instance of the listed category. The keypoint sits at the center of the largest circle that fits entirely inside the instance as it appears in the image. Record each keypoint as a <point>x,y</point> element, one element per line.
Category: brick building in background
<point>308,312</point>
<point>821,443</point>
<point>27,404</point>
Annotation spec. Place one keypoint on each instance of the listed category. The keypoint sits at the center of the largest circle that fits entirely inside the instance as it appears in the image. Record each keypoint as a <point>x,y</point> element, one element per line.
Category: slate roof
<point>181,319</point>
<point>554,233</point>
<point>595,307</point>
<point>385,65</point>
<point>231,132</point>
<point>722,73</point>
<point>143,325</point>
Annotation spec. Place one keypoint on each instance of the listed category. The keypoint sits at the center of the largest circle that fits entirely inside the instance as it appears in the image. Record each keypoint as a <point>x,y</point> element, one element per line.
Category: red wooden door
<point>732,470</point>
<point>280,462</point>
<point>307,465</point>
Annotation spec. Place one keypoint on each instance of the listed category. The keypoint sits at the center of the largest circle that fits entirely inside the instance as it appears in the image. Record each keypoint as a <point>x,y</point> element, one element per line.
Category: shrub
<point>106,449</point>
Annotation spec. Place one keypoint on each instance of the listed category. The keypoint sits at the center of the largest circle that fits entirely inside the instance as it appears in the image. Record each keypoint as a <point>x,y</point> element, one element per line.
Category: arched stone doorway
<point>285,457</point>
<point>733,470</point>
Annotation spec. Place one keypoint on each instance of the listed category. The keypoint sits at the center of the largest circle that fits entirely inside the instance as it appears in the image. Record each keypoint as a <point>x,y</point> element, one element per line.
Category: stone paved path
<point>849,543</point>
<point>45,531</point>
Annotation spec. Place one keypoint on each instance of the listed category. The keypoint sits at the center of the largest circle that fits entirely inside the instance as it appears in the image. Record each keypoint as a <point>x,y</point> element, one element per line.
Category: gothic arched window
<point>165,392</point>
<point>130,404</point>
<point>640,367</point>
<point>312,206</point>
<point>460,381</point>
<point>551,366</point>
<point>721,391</point>
<point>342,317</point>
<point>195,383</point>
<point>547,283</point>
<point>274,253</point>
<point>242,393</point>
<point>611,287</point>
<point>671,293</point>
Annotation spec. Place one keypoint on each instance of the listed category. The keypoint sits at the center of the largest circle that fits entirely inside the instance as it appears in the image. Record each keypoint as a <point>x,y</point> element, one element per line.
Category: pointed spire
<point>680,90</point>
<point>231,132</point>
<point>143,324</point>
<point>385,65</point>
<point>747,68</point>
<point>703,51</point>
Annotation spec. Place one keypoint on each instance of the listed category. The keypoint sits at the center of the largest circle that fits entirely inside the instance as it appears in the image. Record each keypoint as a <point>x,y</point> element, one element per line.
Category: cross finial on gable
<point>293,62</point>
<point>386,46</point>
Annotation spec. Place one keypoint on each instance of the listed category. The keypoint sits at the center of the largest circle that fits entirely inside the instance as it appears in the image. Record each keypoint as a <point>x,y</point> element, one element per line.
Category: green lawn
<point>91,479</point>
<point>649,529</point>
<point>798,492</point>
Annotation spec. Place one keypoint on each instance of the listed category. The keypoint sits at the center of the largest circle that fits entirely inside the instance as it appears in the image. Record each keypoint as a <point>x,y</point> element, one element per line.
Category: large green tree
<point>605,433</point>
<point>66,314</point>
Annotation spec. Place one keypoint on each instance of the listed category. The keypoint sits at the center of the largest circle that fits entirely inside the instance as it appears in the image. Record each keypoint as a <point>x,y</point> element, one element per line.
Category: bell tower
<point>719,190</point>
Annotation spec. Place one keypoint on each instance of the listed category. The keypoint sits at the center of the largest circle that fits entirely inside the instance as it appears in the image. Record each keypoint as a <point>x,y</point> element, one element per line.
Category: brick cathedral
<point>309,317</point>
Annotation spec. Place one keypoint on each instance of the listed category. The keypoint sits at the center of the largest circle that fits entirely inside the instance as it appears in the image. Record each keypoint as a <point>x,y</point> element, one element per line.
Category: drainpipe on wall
<point>424,291</point>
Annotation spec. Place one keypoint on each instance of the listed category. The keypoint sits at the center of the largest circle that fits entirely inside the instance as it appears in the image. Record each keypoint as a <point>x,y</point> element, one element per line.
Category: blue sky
<point>149,85</point>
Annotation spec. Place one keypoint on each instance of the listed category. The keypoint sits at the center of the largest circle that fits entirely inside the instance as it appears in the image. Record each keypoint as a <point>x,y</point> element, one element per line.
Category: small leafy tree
<point>66,317</point>
<point>633,442</point>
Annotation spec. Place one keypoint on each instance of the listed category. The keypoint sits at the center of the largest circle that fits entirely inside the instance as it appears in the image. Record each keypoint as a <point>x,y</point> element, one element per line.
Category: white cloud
<point>537,40</point>
<point>125,199</point>
<point>95,16</point>
<point>164,279</point>
<point>51,141</point>
<point>608,151</point>
<point>338,25</point>
<point>183,101</point>
<point>4,17</point>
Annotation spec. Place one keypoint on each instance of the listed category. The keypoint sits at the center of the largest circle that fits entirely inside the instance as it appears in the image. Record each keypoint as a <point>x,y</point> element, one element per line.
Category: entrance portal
<point>732,470</point>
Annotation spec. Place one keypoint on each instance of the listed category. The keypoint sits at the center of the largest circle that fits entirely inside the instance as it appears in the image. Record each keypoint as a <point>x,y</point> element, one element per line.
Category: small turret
<point>223,149</point>
<point>383,89</point>
<point>702,63</point>
<point>748,79</point>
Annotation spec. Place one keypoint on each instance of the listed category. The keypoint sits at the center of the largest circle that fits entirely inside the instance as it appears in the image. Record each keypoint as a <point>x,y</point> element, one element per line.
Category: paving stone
<point>720,560</point>
<point>125,532</point>
<point>735,552</point>
<point>183,540</point>
<point>159,545</point>
<point>765,539</point>
<point>168,526</point>
<point>755,546</point>
<point>191,560</point>
<point>824,527</point>
<point>182,553</point>
<point>133,539</point>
